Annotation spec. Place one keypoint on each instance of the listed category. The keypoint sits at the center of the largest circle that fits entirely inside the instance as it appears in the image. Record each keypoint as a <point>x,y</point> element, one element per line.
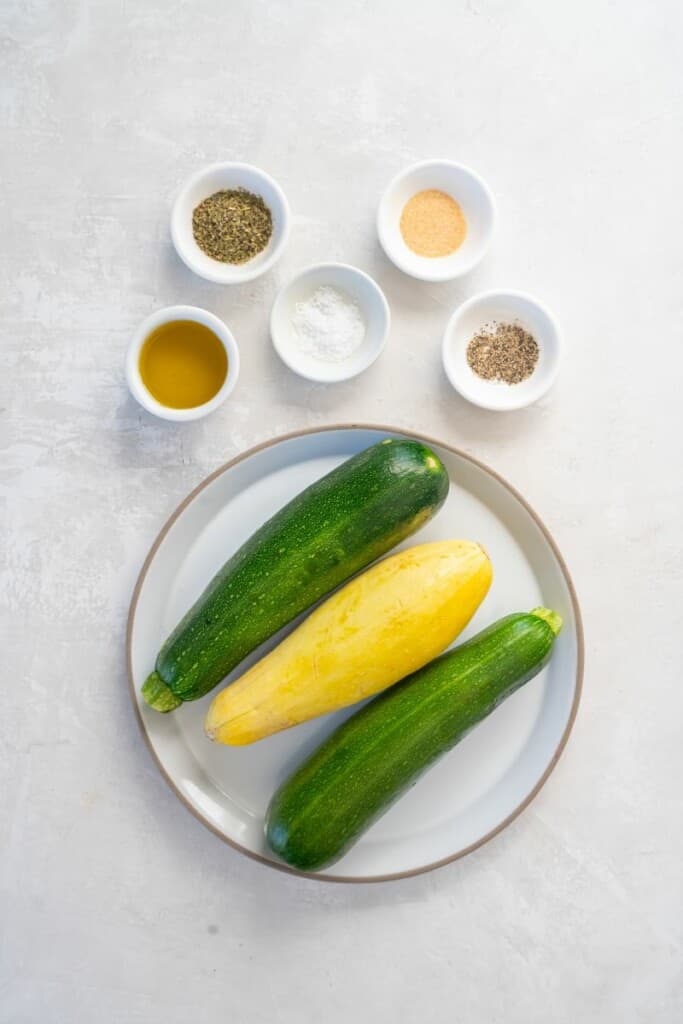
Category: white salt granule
<point>329,325</point>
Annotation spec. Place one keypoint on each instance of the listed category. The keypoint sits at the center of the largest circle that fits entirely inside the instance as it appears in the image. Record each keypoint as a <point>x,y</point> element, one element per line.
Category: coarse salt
<point>328,325</point>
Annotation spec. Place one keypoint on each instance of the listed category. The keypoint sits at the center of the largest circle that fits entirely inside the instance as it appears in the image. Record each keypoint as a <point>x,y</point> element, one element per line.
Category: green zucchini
<point>378,753</point>
<point>327,533</point>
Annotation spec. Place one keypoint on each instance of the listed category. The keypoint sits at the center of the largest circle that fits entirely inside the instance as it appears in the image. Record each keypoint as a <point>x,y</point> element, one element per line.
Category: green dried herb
<point>232,225</point>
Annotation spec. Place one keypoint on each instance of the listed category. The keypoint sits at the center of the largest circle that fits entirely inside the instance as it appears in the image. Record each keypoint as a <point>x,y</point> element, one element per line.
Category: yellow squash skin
<point>381,626</point>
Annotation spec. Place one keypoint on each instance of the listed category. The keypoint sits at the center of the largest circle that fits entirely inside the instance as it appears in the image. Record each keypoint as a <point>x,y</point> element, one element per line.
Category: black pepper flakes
<point>503,352</point>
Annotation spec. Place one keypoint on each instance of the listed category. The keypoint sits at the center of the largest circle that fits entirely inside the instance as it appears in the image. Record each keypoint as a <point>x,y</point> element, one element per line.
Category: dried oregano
<point>232,225</point>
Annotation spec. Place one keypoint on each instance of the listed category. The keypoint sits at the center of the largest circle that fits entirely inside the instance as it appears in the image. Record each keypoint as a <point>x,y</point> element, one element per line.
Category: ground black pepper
<point>504,352</point>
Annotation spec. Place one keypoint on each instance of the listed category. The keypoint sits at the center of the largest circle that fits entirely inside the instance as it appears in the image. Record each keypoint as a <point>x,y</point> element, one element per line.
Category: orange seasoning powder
<point>433,224</point>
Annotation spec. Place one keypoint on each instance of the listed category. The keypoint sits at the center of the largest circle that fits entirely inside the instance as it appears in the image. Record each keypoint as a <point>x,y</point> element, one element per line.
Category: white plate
<point>475,790</point>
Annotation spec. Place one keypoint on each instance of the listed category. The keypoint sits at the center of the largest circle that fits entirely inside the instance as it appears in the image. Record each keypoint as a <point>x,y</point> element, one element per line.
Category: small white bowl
<point>164,316</point>
<point>358,286</point>
<point>467,188</point>
<point>503,307</point>
<point>213,179</point>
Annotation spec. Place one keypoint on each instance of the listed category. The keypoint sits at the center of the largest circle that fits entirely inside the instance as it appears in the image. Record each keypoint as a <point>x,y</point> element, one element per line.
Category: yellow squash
<point>381,626</point>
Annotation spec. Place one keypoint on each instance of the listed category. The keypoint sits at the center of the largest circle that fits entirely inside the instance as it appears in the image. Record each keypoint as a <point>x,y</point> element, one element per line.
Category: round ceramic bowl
<point>164,316</point>
<point>213,179</point>
<point>503,307</point>
<point>475,199</point>
<point>359,287</point>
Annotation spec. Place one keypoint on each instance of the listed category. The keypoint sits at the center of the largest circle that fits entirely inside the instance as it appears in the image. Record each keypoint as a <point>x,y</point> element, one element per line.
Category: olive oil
<point>183,364</point>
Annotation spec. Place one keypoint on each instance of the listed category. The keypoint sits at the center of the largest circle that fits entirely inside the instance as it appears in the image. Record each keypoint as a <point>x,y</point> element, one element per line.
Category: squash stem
<point>548,615</point>
<point>158,695</point>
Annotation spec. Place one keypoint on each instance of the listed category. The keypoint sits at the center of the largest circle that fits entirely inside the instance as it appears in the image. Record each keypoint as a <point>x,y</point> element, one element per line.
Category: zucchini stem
<point>548,615</point>
<point>158,695</point>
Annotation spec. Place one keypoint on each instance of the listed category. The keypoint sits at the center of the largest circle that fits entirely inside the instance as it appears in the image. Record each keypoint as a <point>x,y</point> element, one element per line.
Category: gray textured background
<point>114,903</point>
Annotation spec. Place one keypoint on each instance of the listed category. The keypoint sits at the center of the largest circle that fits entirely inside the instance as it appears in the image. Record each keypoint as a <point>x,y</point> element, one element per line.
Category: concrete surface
<point>115,905</point>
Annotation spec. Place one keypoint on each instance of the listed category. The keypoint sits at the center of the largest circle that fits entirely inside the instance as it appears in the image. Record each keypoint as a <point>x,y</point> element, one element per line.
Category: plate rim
<point>578,687</point>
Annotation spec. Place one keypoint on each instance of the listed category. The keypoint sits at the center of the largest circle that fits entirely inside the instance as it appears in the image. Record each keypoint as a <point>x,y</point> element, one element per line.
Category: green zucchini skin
<point>330,531</point>
<point>378,753</point>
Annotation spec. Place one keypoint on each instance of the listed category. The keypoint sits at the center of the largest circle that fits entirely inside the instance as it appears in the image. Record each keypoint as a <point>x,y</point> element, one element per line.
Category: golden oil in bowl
<point>183,364</point>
